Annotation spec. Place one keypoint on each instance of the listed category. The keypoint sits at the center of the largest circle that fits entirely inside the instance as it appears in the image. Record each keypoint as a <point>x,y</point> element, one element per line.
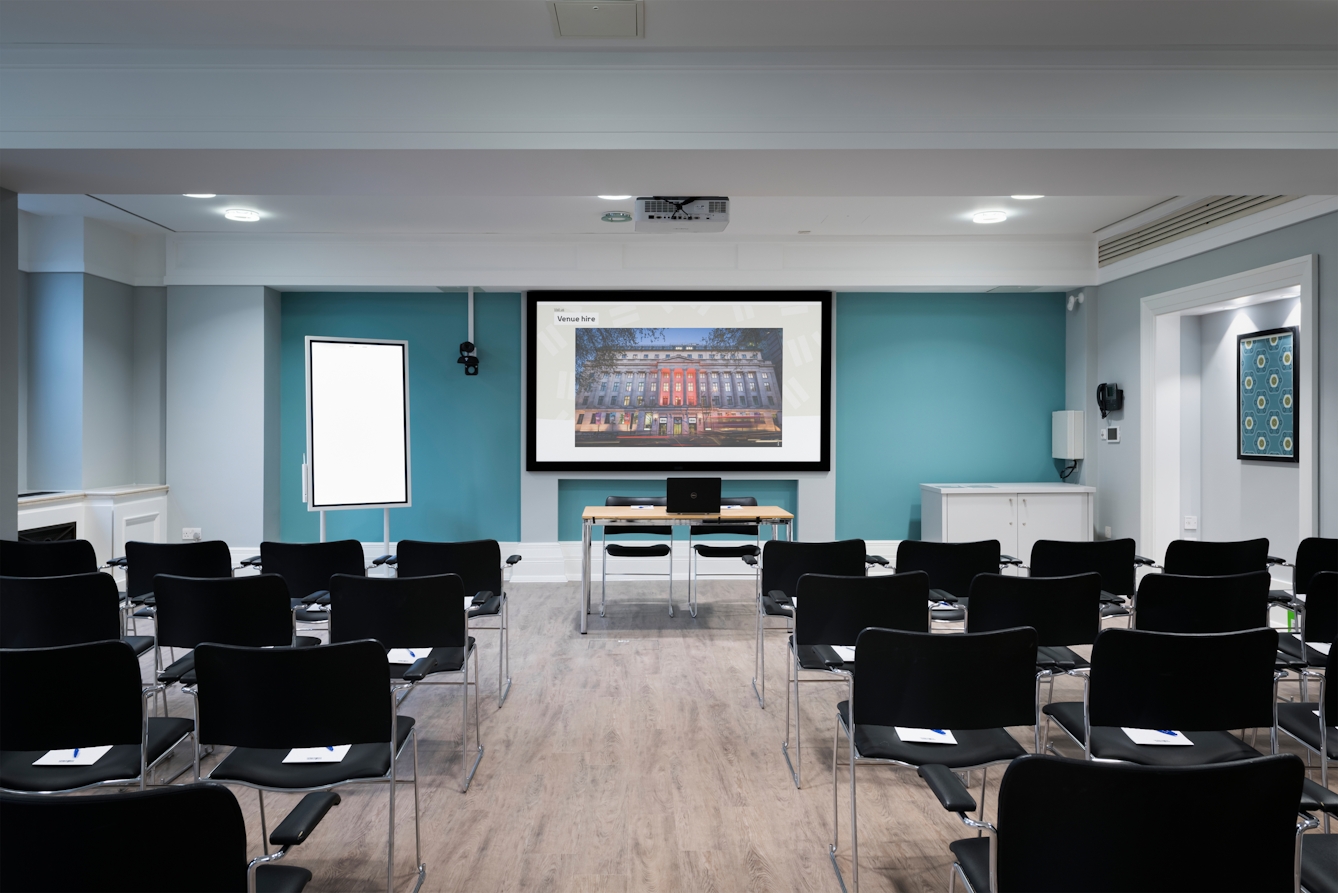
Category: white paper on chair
<point>407,655</point>
<point>328,754</point>
<point>78,756</point>
<point>925,736</point>
<point>1157,736</point>
<point>845,652</point>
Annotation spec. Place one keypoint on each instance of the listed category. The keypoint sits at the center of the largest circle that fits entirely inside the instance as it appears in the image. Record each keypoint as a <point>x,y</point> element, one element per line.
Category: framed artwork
<point>1266,396</point>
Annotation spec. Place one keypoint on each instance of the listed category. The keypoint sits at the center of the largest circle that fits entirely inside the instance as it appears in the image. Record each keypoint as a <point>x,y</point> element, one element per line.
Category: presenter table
<point>656,516</point>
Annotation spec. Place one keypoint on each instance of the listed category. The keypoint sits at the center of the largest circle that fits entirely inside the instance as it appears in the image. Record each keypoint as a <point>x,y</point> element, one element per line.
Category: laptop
<point>692,496</point>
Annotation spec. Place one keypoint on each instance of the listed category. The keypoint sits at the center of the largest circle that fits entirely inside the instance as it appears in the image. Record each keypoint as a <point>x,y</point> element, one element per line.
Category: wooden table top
<point>658,513</point>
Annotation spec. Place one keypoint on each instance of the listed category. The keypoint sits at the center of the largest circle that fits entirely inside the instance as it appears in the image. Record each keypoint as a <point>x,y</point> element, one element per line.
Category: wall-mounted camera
<point>467,358</point>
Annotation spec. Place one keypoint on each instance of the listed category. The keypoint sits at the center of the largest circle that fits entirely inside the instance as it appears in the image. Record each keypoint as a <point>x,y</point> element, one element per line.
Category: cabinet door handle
<point>1024,506</point>
<point>1010,509</point>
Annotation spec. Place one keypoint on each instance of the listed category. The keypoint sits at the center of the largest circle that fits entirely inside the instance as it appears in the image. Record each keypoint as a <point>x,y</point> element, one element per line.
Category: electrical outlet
<point>1107,533</point>
<point>1191,522</point>
<point>191,533</point>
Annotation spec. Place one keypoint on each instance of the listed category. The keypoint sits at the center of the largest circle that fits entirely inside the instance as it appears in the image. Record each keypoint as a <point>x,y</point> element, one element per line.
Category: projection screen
<point>679,381</point>
<point>357,423</point>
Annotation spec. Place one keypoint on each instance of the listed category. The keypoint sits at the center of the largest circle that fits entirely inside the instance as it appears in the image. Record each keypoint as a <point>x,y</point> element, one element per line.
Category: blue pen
<point>75,754</point>
<point>938,731</point>
<point>1170,732</point>
<point>330,748</point>
<point>410,650</point>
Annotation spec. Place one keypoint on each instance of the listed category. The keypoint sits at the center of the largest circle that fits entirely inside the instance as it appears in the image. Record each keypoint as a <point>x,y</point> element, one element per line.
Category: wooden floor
<point>634,758</point>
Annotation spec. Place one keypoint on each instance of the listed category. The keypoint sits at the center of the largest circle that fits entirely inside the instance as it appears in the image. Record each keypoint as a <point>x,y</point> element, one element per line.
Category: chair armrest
<point>177,669</point>
<point>319,597</point>
<point>1005,560</point>
<point>1273,559</point>
<point>1315,797</point>
<point>1141,561</point>
<point>118,562</point>
<point>780,598</point>
<point>948,788</point>
<point>750,560</point>
<point>420,668</point>
<point>381,559</point>
<point>304,818</point>
<point>876,559</point>
<point>253,561</point>
<point>512,559</point>
<point>481,596</point>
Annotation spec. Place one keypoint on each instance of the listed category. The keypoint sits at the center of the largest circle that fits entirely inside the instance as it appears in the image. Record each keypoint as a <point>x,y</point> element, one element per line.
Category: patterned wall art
<point>1266,396</point>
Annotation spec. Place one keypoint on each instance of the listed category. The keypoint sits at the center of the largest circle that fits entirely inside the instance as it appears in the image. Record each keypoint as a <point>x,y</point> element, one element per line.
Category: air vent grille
<point>655,206</point>
<point>717,207</point>
<point>1212,211</point>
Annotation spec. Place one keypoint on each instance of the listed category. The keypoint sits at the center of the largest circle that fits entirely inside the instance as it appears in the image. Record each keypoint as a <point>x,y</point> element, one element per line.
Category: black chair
<point>144,561</point>
<point>406,614</point>
<point>783,563</point>
<point>479,565</point>
<point>103,705</point>
<point>973,685</point>
<point>621,550</point>
<point>252,610</point>
<point>56,844</point>
<point>835,611</point>
<point>1173,603</point>
<point>1203,558</point>
<point>1310,723</point>
<point>1114,560</point>
<point>1136,681</point>
<point>1253,805</point>
<point>58,558</point>
<point>44,612</point>
<point>951,568</point>
<point>1319,622</point>
<point>343,699</point>
<point>738,550</point>
<point>307,569</point>
<point>1313,555</point>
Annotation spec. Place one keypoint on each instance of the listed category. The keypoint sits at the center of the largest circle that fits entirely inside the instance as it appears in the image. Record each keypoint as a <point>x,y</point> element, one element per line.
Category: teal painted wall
<point>575,495</point>
<point>936,388</point>
<point>464,432</point>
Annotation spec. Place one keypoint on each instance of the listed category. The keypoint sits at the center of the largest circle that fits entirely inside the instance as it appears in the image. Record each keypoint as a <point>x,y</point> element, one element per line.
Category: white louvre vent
<point>1212,211</point>
<point>688,214</point>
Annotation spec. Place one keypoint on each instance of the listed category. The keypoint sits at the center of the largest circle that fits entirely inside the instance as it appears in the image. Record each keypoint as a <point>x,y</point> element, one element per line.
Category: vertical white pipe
<point>385,524</point>
<point>471,315</point>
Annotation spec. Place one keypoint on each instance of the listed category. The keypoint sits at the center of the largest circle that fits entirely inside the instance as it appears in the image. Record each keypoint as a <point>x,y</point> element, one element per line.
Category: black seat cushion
<point>747,549</point>
<point>973,854</point>
<point>974,747</point>
<point>265,766</point>
<point>1059,657</point>
<point>17,772</point>
<point>140,644</point>
<point>491,605</point>
<point>1319,863</point>
<point>657,550</point>
<point>1289,645</point>
<point>1111,743</point>
<point>449,660</point>
<point>773,608</point>
<point>281,879</point>
<point>1300,721</point>
<point>821,657</point>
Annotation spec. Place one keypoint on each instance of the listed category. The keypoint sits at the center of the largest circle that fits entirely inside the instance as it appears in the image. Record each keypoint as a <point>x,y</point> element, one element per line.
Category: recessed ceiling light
<point>1026,198</point>
<point>990,217</point>
<point>617,217</point>
<point>242,215</point>
<point>615,198</point>
<point>200,194</point>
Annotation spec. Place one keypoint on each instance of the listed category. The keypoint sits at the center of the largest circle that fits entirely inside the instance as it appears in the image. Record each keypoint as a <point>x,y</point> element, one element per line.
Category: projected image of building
<point>678,387</point>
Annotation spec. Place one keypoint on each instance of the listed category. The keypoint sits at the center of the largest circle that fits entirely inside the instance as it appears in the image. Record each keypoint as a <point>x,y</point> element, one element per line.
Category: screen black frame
<point>532,299</point>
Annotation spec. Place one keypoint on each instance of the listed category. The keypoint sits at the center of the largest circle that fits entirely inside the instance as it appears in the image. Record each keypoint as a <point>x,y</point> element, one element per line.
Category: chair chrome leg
<point>984,776</point>
<point>792,681</point>
<point>671,575</point>
<point>264,831</point>
<point>694,573</point>
<point>504,655</point>
<point>390,832</point>
<point>760,664</point>
<point>603,577</point>
<point>464,727</point>
<point>417,835</point>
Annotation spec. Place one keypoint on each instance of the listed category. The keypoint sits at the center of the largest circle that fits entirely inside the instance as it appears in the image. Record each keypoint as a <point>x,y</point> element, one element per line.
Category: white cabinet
<point>1017,515</point>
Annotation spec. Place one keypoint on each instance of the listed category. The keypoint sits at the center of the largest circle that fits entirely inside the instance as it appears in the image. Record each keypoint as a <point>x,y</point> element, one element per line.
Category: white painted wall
<point>1191,367</point>
<point>148,400</point>
<point>9,362</point>
<point>216,409</point>
<point>55,381</point>
<point>108,365</point>
<point>1242,499</point>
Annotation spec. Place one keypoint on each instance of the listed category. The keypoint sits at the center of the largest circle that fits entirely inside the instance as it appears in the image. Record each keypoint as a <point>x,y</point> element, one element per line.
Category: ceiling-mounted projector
<point>679,214</point>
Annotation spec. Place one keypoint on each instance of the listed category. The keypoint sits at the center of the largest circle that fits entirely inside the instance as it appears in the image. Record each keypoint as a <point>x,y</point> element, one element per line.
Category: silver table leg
<point>586,528</point>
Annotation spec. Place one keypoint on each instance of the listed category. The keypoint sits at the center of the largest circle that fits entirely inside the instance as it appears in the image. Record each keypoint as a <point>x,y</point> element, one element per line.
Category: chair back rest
<point>1062,610</point>
<point>1331,691</point>
<point>254,610</point>
<point>1138,680</point>
<point>1253,804</point>
<point>478,563</point>
<point>399,612</point>
<point>951,566</point>
<point>43,612</point>
<point>614,530</point>
<point>1112,559</point>
<point>1171,603</point>
<point>1313,555</point>
<point>102,706</point>
<point>308,567</point>
<point>923,680</point>
<point>1199,558</point>
<point>784,562</point>
<point>835,610</point>
<point>738,529</point>
<point>59,558</point>
<point>293,697</point>
<point>148,560</point>
<point>1320,617</point>
<point>50,844</point>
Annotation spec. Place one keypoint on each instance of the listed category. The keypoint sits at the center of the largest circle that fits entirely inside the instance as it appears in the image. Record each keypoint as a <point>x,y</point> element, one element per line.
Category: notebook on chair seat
<point>692,496</point>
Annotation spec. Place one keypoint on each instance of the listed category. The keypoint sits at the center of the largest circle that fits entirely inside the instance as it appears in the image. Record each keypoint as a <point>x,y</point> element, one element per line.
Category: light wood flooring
<point>634,758</point>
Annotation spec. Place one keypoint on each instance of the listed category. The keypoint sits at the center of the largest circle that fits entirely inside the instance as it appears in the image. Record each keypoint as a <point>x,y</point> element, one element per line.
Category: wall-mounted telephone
<point>1109,398</point>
